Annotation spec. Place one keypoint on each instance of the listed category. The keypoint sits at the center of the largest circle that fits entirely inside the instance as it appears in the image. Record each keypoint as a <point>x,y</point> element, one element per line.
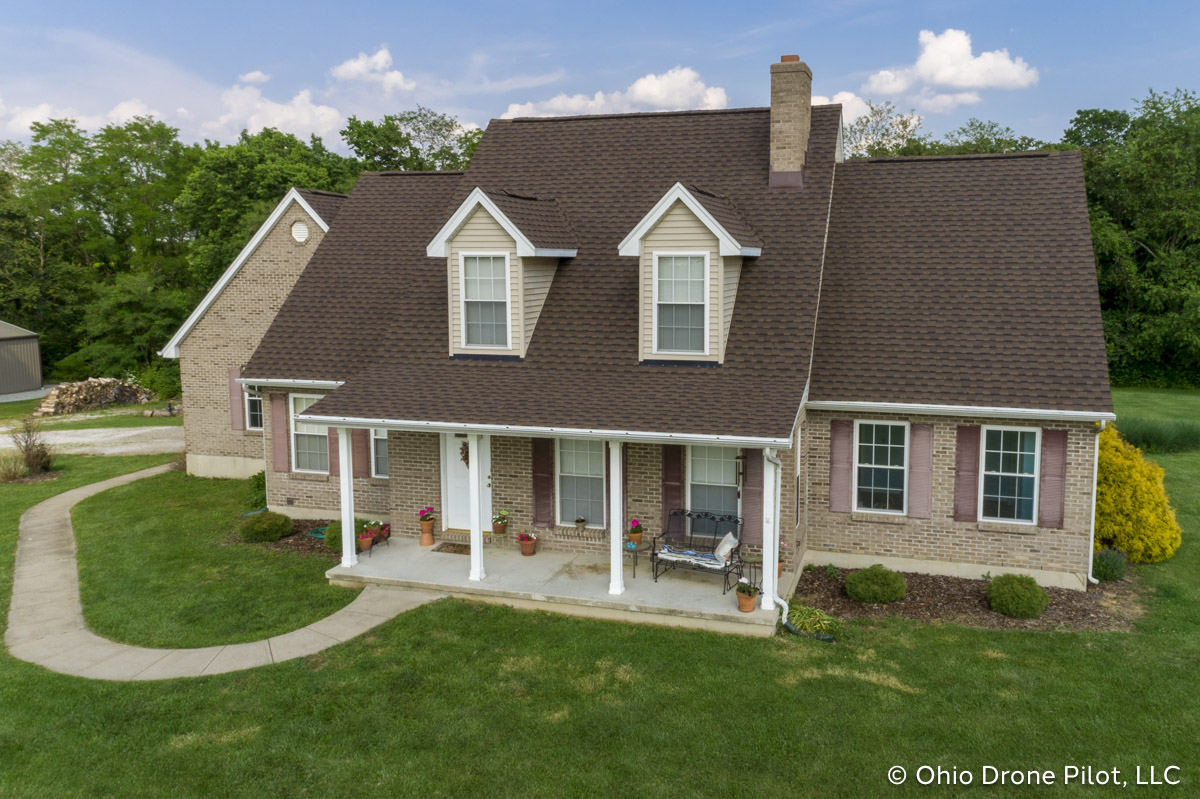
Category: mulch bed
<point>1107,607</point>
<point>37,478</point>
<point>299,541</point>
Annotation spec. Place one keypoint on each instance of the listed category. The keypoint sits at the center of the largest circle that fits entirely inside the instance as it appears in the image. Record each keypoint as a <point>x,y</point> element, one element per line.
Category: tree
<point>412,141</point>
<point>882,131</point>
<point>128,320</point>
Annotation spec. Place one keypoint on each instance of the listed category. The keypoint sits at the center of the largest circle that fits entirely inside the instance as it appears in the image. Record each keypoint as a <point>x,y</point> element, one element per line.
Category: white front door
<point>456,476</point>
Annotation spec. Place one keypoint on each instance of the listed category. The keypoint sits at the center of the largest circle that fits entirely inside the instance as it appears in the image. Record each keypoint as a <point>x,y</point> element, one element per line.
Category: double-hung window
<point>1009,473</point>
<point>713,487</point>
<point>680,303</point>
<point>310,442</point>
<point>379,453</point>
<point>581,481</point>
<point>485,300</point>
<point>880,467</point>
<point>254,412</point>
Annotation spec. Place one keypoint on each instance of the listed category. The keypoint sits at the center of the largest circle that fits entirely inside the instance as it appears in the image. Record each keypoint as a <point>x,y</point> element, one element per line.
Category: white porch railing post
<point>770,535</point>
<point>476,572</point>
<point>346,459</point>
<point>616,520</point>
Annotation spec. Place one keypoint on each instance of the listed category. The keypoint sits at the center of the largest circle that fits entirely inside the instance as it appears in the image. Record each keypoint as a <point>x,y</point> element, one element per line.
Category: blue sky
<point>212,69</point>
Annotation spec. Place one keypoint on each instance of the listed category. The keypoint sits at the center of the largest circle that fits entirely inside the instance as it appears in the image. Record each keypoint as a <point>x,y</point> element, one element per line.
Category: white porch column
<point>616,520</point>
<point>346,460</point>
<point>476,572</point>
<point>770,521</point>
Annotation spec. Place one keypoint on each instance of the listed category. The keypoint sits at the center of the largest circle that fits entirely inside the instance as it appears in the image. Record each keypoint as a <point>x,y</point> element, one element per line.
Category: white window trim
<point>1037,473</point>
<point>907,458</point>
<point>376,475</point>
<point>292,432</point>
<point>246,397</point>
<point>558,486</point>
<point>656,254</point>
<point>462,299</point>
<point>739,475</point>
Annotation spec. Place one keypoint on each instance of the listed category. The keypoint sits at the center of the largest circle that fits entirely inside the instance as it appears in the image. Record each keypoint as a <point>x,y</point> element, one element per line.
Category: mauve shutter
<point>543,482</point>
<point>334,465</point>
<point>966,475</point>
<point>672,481</point>
<point>752,497</point>
<point>279,433</point>
<point>841,462</point>
<point>236,401</point>
<point>920,471</point>
<point>1052,484</point>
<point>360,446</point>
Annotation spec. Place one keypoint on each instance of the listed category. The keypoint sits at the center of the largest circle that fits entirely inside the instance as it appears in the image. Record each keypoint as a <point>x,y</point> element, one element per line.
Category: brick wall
<point>229,332</point>
<point>990,545</point>
<point>415,471</point>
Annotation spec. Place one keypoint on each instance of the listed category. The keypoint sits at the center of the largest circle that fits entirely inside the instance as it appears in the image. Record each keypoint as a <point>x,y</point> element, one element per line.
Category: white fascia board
<point>172,348</point>
<point>564,432</point>
<point>630,245</point>
<point>439,247</point>
<point>963,410</point>
<point>286,383</point>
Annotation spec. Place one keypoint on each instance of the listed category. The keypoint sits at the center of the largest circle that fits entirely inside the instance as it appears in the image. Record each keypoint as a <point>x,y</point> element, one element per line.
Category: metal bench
<point>682,546</point>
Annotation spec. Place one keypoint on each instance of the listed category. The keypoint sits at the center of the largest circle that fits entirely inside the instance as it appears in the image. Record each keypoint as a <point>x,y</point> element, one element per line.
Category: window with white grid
<point>485,300</point>
<point>680,305</point>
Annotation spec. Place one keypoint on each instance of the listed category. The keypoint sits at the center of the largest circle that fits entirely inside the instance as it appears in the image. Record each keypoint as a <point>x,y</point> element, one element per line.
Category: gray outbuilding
<point>20,359</point>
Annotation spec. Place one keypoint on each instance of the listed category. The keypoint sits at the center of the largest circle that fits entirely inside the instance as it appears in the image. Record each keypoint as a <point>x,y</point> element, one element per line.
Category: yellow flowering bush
<point>1133,512</point>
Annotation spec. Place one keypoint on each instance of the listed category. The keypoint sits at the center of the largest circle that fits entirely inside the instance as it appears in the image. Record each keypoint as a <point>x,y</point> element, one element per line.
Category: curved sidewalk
<point>45,618</point>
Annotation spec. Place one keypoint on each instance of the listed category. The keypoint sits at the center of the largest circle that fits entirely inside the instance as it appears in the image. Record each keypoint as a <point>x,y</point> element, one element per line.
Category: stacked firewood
<point>90,394</point>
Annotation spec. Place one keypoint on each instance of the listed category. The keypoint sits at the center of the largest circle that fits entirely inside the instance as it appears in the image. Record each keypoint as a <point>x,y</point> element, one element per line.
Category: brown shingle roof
<point>961,281</point>
<point>728,215</point>
<point>325,203</point>
<point>582,368</point>
<point>539,218</point>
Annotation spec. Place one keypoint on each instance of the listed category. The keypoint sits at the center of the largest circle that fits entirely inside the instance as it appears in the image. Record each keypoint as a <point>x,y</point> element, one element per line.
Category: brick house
<point>605,317</point>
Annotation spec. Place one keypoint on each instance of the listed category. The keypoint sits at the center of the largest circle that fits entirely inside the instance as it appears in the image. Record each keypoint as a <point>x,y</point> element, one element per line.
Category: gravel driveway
<point>113,441</point>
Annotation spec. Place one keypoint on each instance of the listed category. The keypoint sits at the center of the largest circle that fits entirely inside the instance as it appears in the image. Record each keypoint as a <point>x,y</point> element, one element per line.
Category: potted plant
<point>635,532</point>
<point>528,542</point>
<point>781,556</point>
<point>500,522</point>
<point>746,593</point>
<point>580,523</point>
<point>425,516</point>
<point>365,539</point>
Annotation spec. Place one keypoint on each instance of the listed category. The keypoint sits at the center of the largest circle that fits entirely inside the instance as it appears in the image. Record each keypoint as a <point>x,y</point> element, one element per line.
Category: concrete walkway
<point>45,618</point>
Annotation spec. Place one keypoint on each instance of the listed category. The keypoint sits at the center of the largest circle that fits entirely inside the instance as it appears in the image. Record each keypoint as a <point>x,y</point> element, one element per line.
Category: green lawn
<point>114,420</point>
<point>15,411</point>
<point>1158,403</point>
<point>463,699</point>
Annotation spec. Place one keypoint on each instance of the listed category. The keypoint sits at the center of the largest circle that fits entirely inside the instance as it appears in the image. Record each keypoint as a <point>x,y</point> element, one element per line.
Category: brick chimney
<point>791,117</point>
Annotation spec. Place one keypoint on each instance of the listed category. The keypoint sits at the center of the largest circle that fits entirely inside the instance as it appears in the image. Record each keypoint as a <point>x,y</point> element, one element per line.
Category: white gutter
<point>1095,476</point>
<point>963,410</point>
<point>566,432</point>
<point>282,383</point>
<point>773,561</point>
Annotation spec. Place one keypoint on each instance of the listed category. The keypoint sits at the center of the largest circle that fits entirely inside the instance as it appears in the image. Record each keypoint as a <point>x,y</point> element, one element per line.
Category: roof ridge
<point>965,157</point>
<point>396,173</point>
<point>632,114</point>
<point>518,196</point>
<point>324,192</point>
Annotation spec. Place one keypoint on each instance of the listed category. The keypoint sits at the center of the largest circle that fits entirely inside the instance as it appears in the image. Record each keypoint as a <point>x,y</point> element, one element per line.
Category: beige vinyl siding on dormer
<point>483,234</point>
<point>680,231</point>
<point>538,274</point>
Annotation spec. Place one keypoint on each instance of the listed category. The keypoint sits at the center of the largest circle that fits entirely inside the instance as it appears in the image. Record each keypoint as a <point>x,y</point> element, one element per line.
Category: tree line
<point>109,239</point>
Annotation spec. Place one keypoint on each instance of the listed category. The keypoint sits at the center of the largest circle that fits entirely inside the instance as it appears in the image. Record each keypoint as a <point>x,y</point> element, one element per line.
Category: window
<point>310,442</point>
<point>254,412</point>
<point>713,486</point>
<point>880,466</point>
<point>681,303</point>
<point>581,481</point>
<point>485,300</point>
<point>379,453</point>
<point>1010,464</point>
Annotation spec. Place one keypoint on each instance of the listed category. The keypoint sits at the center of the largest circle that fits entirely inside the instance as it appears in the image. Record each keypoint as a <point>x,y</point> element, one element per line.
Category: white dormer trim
<point>631,245</point>
<point>440,246</point>
<point>171,350</point>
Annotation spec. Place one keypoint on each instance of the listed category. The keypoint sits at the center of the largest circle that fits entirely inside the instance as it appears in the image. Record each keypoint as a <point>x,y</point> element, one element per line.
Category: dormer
<point>690,248</point>
<point>502,250</point>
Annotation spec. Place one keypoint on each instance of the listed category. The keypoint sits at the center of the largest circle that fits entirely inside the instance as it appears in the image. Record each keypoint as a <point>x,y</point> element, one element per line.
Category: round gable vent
<point>300,231</point>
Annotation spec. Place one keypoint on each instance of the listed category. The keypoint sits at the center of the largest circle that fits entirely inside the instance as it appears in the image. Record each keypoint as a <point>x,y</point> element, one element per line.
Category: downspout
<point>771,559</point>
<point>1095,490</point>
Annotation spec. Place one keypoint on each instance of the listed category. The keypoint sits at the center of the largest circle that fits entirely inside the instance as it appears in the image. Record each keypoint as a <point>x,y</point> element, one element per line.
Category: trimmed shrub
<point>333,533</point>
<point>257,496</point>
<point>1133,512</point>
<point>1161,436</point>
<point>1018,596</point>
<point>1109,564</point>
<point>812,620</point>
<point>265,526</point>
<point>876,585</point>
<point>161,377</point>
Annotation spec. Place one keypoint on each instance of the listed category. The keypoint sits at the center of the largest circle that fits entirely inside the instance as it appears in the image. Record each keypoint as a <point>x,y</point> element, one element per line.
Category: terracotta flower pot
<point>636,538</point>
<point>365,543</point>
<point>746,602</point>
<point>427,533</point>
<point>528,547</point>
<point>579,526</point>
<point>781,569</point>
<point>499,528</point>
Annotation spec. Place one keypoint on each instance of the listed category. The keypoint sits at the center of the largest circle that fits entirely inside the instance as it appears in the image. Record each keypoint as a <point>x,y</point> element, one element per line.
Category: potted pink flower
<point>528,542</point>
<point>635,532</point>
<point>425,516</point>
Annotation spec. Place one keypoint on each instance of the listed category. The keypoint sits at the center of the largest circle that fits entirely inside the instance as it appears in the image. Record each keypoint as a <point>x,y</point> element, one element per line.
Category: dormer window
<point>681,303</point>
<point>485,294</point>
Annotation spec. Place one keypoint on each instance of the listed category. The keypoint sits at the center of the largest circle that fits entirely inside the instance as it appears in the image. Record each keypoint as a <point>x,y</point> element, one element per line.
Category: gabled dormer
<point>690,247</point>
<point>501,251</point>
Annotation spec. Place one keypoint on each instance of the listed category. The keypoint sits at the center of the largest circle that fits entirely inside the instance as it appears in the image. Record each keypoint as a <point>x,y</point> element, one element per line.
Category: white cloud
<point>374,69</point>
<point>245,107</point>
<point>674,90</point>
<point>126,110</point>
<point>254,76</point>
<point>853,106</point>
